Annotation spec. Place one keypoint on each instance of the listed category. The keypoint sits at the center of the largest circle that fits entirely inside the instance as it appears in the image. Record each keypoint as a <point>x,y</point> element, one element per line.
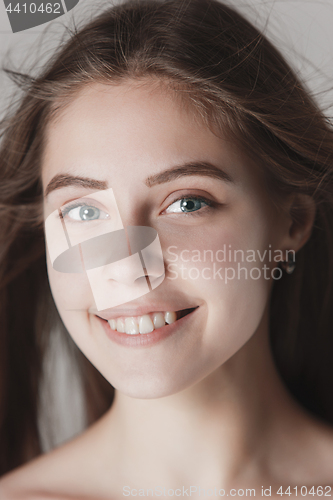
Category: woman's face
<point>129,155</point>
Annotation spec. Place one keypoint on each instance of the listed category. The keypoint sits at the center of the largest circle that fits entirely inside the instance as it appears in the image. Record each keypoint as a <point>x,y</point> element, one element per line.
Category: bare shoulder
<point>320,450</point>
<point>35,480</point>
<point>70,472</point>
<point>305,453</point>
<point>57,475</point>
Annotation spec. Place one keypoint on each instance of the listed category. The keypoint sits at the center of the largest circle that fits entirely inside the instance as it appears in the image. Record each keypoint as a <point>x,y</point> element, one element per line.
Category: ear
<point>302,212</point>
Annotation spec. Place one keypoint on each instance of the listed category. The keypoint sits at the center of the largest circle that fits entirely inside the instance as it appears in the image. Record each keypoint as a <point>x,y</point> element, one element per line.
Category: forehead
<point>129,126</point>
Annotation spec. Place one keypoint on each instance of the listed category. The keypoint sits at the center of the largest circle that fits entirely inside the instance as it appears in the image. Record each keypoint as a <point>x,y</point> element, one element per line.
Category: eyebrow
<point>206,169</point>
<point>65,180</point>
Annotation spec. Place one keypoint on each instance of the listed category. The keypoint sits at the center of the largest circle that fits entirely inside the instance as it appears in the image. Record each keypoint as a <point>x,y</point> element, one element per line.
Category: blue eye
<point>187,205</point>
<point>191,204</point>
<point>89,213</point>
<point>84,213</point>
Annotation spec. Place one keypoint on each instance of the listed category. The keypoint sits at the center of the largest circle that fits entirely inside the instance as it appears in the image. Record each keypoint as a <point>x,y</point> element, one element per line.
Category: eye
<point>187,205</point>
<point>84,213</point>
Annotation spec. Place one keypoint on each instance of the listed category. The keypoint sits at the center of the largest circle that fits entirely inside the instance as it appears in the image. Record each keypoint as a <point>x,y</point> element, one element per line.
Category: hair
<point>224,68</point>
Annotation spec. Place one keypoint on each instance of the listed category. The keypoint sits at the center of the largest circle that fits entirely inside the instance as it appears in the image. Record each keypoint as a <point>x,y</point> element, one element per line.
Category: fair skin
<point>204,405</point>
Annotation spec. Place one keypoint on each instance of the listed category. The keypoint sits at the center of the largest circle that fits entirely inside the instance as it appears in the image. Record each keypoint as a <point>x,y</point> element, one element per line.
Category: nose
<point>145,262</point>
<point>128,271</point>
<point>134,275</point>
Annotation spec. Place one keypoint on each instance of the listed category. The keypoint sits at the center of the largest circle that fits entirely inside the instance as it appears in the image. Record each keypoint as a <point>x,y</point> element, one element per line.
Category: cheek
<point>73,297</point>
<point>70,291</point>
<point>217,264</point>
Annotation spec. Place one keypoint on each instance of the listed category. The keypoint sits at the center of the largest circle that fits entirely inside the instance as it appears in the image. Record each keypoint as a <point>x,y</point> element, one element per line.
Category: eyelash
<point>63,212</point>
<point>209,203</point>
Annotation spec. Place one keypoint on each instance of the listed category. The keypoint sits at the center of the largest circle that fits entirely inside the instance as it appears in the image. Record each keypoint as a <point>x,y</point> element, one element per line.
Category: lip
<point>152,307</point>
<point>148,339</point>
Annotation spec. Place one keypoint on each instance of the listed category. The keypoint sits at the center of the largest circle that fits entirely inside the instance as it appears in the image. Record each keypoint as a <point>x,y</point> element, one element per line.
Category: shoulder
<point>305,455</point>
<point>65,473</point>
<point>28,482</point>
<point>52,476</point>
<point>68,472</point>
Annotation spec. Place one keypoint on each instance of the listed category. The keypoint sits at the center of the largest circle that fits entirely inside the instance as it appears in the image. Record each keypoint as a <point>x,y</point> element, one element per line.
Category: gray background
<point>302,29</point>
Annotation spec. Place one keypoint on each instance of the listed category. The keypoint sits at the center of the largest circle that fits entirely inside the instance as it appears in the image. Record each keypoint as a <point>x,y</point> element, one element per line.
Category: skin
<point>204,406</point>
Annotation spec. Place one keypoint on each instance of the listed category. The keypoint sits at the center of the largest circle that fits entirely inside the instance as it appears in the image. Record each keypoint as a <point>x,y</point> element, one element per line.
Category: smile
<point>147,323</point>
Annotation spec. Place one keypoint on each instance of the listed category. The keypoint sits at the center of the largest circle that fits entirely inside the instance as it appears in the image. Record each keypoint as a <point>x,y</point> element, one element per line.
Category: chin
<point>144,387</point>
<point>153,385</point>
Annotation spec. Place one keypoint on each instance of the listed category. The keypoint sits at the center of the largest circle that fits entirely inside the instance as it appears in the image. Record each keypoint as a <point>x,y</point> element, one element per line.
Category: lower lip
<point>146,339</point>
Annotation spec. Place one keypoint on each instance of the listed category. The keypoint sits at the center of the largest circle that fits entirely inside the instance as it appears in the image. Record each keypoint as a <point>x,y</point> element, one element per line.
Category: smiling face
<point>129,155</point>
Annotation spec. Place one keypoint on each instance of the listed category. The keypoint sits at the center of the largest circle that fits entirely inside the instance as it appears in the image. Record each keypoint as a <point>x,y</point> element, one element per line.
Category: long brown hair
<point>231,74</point>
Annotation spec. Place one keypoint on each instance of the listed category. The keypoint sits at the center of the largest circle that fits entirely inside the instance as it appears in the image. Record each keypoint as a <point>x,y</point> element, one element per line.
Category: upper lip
<point>140,310</point>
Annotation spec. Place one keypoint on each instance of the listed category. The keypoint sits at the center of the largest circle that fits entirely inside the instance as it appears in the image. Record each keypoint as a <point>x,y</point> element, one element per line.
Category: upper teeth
<point>142,324</point>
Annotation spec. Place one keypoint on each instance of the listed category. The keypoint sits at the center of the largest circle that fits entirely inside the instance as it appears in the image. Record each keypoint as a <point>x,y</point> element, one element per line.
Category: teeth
<point>143,324</point>
<point>131,326</point>
<point>113,324</point>
<point>170,317</point>
<point>120,326</point>
<point>158,320</point>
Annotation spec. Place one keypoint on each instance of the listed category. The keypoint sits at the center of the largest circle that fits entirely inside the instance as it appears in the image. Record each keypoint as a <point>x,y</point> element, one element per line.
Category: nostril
<point>142,279</point>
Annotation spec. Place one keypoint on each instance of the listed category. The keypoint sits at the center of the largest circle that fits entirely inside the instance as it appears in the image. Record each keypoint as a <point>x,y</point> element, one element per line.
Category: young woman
<point>171,178</point>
